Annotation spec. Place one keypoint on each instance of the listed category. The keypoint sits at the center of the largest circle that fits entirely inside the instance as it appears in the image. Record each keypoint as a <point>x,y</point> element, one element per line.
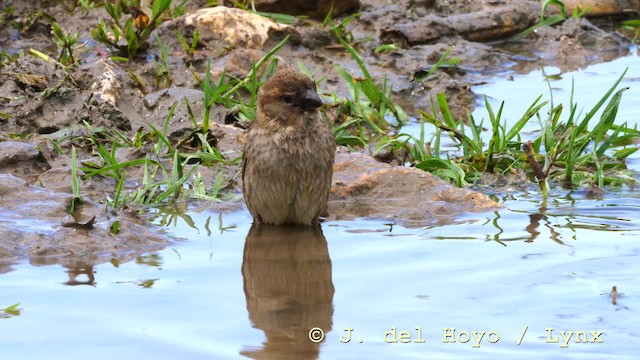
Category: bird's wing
<point>266,177</point>
<point>314,182</point>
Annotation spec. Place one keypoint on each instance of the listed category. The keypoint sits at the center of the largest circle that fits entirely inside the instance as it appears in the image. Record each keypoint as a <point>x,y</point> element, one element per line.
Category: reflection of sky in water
<point>589,87</point>
<point>434,277</point>
<point>9,219</point>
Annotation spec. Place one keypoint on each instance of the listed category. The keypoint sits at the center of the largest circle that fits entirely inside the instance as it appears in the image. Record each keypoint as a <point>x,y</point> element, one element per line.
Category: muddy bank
<point>48,108</point>
<point>104,92</point>
<point>34,224</point>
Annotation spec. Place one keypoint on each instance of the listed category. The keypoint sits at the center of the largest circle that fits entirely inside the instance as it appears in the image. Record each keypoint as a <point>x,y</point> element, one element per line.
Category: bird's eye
<point>287,98</point>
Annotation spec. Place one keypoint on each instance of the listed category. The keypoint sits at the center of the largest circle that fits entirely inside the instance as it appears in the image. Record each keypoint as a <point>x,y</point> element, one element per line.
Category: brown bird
<point>288,153</point>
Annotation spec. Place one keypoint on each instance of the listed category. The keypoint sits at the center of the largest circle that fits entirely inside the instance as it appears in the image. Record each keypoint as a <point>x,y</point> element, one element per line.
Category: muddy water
<point>210,296</point>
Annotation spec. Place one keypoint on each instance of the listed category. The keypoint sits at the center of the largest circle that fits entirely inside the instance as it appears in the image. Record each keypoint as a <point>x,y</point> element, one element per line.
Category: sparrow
<point>288,153</point>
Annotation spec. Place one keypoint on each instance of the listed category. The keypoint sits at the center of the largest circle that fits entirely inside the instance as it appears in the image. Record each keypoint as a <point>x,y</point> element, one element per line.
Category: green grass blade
<point>531,111</point>
<point>583,124</point>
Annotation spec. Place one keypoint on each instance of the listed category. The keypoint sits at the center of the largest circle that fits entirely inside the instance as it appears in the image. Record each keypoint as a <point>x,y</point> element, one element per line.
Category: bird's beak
<point>311,100</point>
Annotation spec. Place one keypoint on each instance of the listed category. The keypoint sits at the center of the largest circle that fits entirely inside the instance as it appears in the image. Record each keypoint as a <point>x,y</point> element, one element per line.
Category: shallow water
<point>589,86</point>
<point>208,296</point>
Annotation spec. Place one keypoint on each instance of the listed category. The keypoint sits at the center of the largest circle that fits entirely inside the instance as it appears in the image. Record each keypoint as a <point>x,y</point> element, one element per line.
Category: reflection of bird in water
<point>614,295</point>
<point>288,287</point>
<point>288,153</point>
<point>81,269</point>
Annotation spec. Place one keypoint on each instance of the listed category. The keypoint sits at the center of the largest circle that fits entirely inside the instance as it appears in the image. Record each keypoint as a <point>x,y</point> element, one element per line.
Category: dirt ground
<point>35,181</point>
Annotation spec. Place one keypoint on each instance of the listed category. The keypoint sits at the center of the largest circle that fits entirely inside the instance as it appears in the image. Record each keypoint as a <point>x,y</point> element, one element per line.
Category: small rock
<point>110,95</point>
<point>21,159</point>
<point>238,63</point>
<point>490,23</point>
<point>12,152</point>
<point>314,8</point>
<point>363,187</point>
<point>57,179</point>
<point>223,27</point>
<point>107,85</point>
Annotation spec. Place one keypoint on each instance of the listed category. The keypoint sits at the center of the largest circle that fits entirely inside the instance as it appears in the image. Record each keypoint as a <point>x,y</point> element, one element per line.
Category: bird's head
<point>287,95</point>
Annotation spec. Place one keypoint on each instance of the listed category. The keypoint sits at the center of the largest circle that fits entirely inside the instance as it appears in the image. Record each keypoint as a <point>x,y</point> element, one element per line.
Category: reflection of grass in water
<point>147,284</point>
<point>171,216</point>
<point>564,220</point>
<point>153,260</point>
<point>144,284</point>
<point>10,311</point>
